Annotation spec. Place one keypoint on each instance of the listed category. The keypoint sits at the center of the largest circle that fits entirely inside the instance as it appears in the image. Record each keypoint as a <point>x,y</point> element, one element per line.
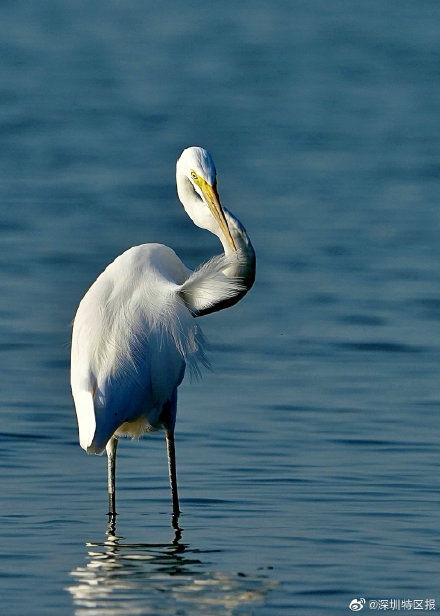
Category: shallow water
<point>308,459</point>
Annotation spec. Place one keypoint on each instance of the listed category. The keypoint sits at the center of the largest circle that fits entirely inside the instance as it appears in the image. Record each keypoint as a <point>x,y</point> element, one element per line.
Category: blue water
<point>308,459</point>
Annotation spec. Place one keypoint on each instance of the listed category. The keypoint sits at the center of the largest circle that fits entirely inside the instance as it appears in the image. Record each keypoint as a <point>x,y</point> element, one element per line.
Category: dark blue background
<point>308,460</point>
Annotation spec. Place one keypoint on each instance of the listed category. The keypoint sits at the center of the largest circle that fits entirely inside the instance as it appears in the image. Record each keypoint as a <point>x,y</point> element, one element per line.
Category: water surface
<point>308,459</point>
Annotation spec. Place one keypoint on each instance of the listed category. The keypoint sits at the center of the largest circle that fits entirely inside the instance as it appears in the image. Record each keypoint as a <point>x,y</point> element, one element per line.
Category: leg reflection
<point>120,578</point>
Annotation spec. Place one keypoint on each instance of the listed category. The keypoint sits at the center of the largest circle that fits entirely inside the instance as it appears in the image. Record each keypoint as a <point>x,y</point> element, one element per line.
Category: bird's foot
<point>111,526</point>
<point>175,521</point>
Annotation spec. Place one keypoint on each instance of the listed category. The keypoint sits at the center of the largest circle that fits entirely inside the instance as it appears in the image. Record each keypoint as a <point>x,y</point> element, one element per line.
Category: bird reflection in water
<point>147,578</point>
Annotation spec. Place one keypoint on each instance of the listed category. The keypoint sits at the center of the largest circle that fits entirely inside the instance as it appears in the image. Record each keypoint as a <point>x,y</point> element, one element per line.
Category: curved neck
<point>243,267</point>
<point>243,259</point>
<point>245,253</point>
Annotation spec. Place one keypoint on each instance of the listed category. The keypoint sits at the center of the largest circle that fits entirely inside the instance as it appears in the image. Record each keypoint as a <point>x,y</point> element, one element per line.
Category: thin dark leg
<point>111,459</point>
<point>173,477</point>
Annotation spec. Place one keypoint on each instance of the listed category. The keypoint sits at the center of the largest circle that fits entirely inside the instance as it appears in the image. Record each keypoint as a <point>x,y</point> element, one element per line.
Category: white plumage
<point>135,331</point>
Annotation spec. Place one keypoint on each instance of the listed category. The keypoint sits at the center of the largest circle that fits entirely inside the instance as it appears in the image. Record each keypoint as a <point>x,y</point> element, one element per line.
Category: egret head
<point>197,188</point>
<point>197,163</point>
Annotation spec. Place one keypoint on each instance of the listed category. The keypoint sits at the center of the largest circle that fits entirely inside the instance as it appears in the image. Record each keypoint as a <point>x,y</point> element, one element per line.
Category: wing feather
<point>132,337</point>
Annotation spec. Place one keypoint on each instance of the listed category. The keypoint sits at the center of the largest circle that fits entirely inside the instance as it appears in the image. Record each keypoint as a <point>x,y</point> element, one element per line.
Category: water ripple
<point>146,578</point>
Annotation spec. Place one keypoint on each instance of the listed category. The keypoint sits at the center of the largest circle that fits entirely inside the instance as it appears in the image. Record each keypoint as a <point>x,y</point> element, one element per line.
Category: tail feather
<point>85,412</point>
<point>208,285</point>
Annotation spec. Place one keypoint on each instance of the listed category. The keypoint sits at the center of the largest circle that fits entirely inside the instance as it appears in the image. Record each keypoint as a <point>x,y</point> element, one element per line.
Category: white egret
<point>135,331</point>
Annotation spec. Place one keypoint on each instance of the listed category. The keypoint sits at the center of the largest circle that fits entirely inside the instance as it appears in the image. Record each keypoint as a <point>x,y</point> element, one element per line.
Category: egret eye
<point>194,175</point>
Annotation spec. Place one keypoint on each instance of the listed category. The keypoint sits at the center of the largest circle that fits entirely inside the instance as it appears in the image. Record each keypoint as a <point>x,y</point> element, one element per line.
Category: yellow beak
<point>213,200</point>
